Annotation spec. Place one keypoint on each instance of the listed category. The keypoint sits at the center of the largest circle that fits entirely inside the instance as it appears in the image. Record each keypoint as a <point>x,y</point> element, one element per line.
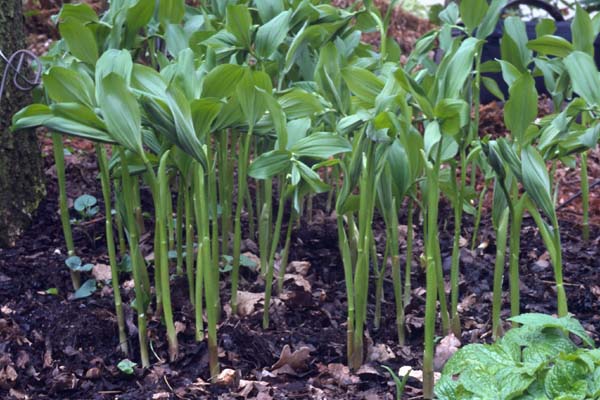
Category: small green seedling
<point>75,264</point>
<point>86,290</point>
<point>86,205</point>
<point>400,383</point>
<point>126,366</point>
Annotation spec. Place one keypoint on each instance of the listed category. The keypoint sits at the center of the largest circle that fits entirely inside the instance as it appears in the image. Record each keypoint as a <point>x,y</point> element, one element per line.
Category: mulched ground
<point>52,347</point>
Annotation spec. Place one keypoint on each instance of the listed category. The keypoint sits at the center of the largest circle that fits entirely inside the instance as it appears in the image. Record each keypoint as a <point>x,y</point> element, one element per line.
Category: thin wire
<point>17,62</point>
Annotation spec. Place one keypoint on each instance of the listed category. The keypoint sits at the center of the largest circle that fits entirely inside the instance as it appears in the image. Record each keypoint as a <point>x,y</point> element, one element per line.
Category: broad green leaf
<point>363,83</point>
<point>78,113</point>
<point>171,11</point>
<point>536,180</point>
<point>222,80</point>
<point>204,111</point>
<point>270,164</point>
<point>67,86</point>
<point>551,45</point>
<point>121,112</point>
<point>176,39</point>
<point>488,24</point>
<point>321,145</point>
<point>182,116</point>
<point>85,290</point>
<point>269,9</point>
<point>518,53</point>
<point>583,31</point>
<point>113,61</point>
<point>41,115</point>
<point>510,73</point>
<point>81,12</point>
<point>546,26</point>
<point>270,35</point>
<point>568,323</point>
<point>521,108</point>
<point>472,12</point>
<point>251,100</point>
<point>80,40</point>
<point>492,86</point>
<point>311,178</point>
<point>317,34</point>
<point>566,378</point>
<point>138,15</point>
<point>584,76</point>
<point>431,137</point>
<point>239,22</point>
<point>300,104</point>
<point>409,84</point>
<point>453,75</point>
<point>147,81</point>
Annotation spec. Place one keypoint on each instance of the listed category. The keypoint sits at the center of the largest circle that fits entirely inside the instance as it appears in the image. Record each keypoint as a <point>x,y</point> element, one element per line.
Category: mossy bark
<point>21,178</point>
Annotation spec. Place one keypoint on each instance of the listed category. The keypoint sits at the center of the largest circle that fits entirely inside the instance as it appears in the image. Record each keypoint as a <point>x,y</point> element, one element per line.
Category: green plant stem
<point>110,244</point>
<point>499,274</point>
<point>585,197</point>
<point>208,271</point>
<point>274,243</point>
<point>189,240</point>
<point>179,226</point>
<point>514,251</point>
<point>119,220</point>
<point>347,263</point>
<point>409,251</point>
<point>430,276</point>
<point>202,230</point>
<point>140,295</point>
<point>455,262</point>
<point>477,222</point>
<point>164,219</point>
<point>59,161</point>
<point>237,234</point>
<point>379,271</point>
<point>286,252</point>
<point>551,237</point>
<point>361,272</point>
<point>394,252</point>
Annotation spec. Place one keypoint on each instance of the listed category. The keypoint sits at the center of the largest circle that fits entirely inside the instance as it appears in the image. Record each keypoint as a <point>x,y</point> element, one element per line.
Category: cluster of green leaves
<point>541,359</point>
<point>286,92</point>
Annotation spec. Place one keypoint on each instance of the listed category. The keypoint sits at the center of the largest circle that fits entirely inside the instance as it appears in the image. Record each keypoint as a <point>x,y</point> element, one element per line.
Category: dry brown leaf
<point>101,272</point>
<point>179,327</point>
<point>466,303</point>
<point>299,281</point>
<point>247,301</point>
<point>93,373</point>
<point>299,267</point>
<point>444,350</point>
<point>8,377</point>
<point>380,353</point>
<point>367,369</point>
<point>17,395</point>
<point>342,375</point>
<point>291,363</point>
<point>22,359</point>
<point>228,378</point>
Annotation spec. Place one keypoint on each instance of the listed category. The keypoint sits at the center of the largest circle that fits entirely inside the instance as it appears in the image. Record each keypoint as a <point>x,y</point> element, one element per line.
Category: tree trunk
<point>21,178</point>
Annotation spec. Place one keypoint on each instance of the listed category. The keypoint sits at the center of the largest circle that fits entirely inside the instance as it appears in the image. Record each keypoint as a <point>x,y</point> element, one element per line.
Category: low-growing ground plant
<point>543,358</point>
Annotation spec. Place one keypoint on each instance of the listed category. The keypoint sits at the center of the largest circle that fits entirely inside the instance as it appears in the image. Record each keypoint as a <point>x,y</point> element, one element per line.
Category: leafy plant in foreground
<point>543,358</point>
